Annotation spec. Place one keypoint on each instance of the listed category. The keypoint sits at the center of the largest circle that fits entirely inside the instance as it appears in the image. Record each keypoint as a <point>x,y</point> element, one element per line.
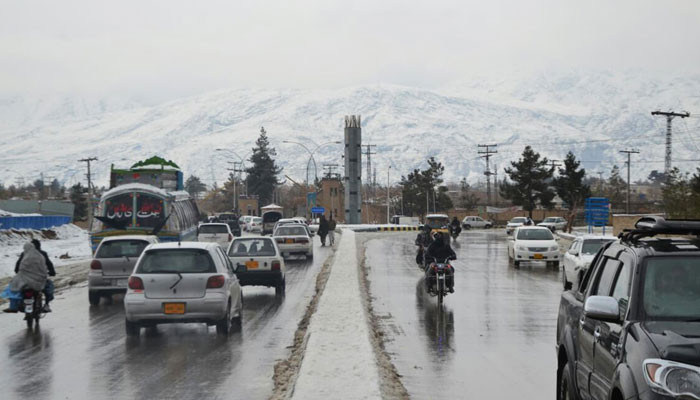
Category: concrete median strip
<point>339,361</point>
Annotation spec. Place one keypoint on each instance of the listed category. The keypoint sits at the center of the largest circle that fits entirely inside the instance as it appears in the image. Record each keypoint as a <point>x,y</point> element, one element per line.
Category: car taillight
<point>302,240</point>
<point>135,283</point>
<point>279,240</point>
<point>276,265</point>
<point>216,281</point>
<point>95,264</point>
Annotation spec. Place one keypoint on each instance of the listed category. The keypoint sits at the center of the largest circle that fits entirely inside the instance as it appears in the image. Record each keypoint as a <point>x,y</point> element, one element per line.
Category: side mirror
<point>573,252</point>
<point>603,308</point>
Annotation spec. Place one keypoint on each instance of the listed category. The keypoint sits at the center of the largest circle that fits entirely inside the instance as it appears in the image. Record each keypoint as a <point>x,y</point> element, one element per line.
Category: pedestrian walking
<point>323,229</point>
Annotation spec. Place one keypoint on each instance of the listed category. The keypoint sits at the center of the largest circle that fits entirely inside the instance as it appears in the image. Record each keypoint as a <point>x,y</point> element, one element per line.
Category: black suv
<point>632,327</point>
<point>232,221</point>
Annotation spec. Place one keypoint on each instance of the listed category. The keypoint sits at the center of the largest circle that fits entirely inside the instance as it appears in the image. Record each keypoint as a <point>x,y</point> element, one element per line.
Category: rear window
<point>184,261</point>
<point>518,220</point>
<point>535,234</point>
<point>257,220</point>
<point>437,223</point>
<point>121,248</point>
<point>272,216</point>
<point>261,247</point>
<point>290,231</point>
<point>591,246</point>
<point>213,229</point>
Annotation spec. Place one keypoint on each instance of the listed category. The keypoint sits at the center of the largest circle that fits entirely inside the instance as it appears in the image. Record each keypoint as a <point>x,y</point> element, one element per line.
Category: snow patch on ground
<point>339,361</point>
<point>4,213</point>
<point>69,239</point>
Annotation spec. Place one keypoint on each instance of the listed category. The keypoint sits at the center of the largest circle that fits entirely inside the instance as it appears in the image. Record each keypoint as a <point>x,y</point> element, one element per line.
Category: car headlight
<point>522,248</point>
<point>554,248</point>
<point>672,378</point>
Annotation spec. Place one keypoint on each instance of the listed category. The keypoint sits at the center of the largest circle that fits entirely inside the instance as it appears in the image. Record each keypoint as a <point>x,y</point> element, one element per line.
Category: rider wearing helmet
<point>455,226</point>
<point>440,251</point>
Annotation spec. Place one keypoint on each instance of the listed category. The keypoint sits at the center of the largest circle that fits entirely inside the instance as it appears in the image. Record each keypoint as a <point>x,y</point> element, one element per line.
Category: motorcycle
<point>437,285</point>
<point>32,306</point>
<point>454,232</point>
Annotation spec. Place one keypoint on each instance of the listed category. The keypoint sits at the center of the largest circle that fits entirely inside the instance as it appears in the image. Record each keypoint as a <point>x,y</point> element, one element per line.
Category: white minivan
<point>215,232</point>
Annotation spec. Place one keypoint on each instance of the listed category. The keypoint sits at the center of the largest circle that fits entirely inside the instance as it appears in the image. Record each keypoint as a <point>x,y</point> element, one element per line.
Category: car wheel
<point>310,256</point>
<point>223,326</point>
<point>566,388</point>
<point>553,264</point>
<point>94,298</point>
<point>488,226</point>
<point>132,328</point>
<point>516,264</point>
<point>281,287</point>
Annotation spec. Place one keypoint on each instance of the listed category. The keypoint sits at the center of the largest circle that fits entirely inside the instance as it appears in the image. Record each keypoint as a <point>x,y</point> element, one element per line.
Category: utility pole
<point>330,170</point>
<point>629,159</point>
<point>90,194</point>
<point>670,115</point>
<point>388,217</point>
<point>487,153</point>
<point>554,164</point>
<point>368,153</point>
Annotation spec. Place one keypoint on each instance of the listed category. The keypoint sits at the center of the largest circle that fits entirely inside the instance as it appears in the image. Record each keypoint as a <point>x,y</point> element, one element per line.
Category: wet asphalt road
<point>495,336</point>
<point>81,352</point>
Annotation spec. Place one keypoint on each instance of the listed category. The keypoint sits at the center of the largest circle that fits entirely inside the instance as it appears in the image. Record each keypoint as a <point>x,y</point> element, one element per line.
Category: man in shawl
<point>31,274</point>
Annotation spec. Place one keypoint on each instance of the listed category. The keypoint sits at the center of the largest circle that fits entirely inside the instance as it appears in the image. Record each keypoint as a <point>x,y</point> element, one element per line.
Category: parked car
<point>630,329</point>
<point>183,282</point>
<point>113,263</point>
<point>294,239</point>
<point>516,222</point>
<point>258,262</point>
<point>554,223</point>
<point>215,232</point>
<point>578,257</point>
<point>255,225</point>
<point>470,222</point>
<point>533,243</point>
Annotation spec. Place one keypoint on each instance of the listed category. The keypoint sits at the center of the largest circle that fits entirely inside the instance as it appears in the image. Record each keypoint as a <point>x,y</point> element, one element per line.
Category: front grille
<point>537,249</point>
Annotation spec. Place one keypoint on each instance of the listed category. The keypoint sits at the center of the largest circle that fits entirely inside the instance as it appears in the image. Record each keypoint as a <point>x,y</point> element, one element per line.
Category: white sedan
<point>294,239</point>
<point>258,262</point>
<point>580,254</point>
<point>533,243</point>
<point>517,222</point>
<point>554,223</point>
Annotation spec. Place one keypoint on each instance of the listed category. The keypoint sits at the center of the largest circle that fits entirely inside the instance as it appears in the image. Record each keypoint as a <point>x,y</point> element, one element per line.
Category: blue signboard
<point>318,210</point>
<point>597,212</point>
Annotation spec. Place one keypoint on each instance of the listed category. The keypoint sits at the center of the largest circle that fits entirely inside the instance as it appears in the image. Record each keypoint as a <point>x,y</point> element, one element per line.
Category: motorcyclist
<point>49,287</point>
<point>455,227</point>
<point>440,251</point>
<point>423,240</point>
<point>31,274</point>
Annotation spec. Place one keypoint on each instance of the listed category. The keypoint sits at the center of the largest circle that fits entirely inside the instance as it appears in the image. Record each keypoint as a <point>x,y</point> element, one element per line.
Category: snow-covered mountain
<point>593,114</point>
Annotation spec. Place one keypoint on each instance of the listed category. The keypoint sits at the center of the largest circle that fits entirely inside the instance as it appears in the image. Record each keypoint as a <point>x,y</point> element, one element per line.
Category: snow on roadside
<point>339,361</point>
<point>70,240</point>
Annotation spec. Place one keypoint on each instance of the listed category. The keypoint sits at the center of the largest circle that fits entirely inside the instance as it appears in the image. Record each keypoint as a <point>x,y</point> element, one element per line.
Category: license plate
<point>120,282</point>
<point>538,256</point>
<point>289,241</point>
<point>251,264</point>
<point>174,308</point>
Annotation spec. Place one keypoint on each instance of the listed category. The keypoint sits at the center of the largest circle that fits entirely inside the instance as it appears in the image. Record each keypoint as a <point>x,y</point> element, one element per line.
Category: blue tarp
<point>33,222</point>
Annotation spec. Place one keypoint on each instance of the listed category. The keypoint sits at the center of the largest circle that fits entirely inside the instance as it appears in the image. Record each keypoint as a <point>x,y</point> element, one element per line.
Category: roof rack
<point>653,225</point>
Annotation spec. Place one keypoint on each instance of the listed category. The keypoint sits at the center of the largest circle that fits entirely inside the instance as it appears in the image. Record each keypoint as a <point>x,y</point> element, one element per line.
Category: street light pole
<point>387,196</point>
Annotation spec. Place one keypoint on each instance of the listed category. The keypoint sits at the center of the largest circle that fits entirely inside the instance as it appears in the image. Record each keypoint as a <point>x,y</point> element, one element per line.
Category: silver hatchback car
<point>183,282</point>
<point>113,263</point>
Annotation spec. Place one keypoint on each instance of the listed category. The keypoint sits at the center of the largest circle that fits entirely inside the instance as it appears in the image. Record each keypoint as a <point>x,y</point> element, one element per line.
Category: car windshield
<point>672,288</point>
<point>290,231</point>
<point>550,219</point>
<point>438,222</point>
<point>591,246</point>
<point>535,234</point>
<point>213,229</point>
<point>261,247</point>
<point>121,248</point>
<point>518,220</point>
<point>184,261</point>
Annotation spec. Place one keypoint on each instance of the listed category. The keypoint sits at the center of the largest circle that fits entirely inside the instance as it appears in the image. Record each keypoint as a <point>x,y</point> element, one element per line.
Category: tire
<point>223,326</point>
<point>553,264</point>
<point>30,321</point>
<point>440,291</point>
<point>516,264</point>
<point>309,256</point>
<point>132,328</point>
<point>237,322</point>
<point>94,298</point>
<point>281,288</point>
<point>565,387</point>
<point>489,226</point>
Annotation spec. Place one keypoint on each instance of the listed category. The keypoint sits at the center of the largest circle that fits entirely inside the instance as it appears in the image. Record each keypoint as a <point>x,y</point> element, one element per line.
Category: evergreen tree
<point>530,178</point>
<point>616,188</point>
<point>194,186</point>
<point>467,199</point>
<point>262,175</point>
<point>571,188</point>
<point>78,196</point>
<point>681,195</point>
<point>419,190</point>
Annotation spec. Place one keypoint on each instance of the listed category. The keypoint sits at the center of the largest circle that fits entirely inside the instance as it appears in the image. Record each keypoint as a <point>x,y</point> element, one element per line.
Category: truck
<point>630,328</point>
<point>404,220</point>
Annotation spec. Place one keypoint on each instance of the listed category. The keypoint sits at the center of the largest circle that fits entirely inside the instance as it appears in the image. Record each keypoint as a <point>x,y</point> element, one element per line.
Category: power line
<point>486,154</point>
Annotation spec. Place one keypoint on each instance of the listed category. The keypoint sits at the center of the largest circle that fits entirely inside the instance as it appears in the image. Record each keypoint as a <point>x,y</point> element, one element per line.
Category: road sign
<point>318,210</point>
<point>597,211</point>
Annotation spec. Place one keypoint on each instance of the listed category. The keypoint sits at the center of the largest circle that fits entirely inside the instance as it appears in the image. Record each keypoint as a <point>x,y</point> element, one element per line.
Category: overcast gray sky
<point>171,48</point>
